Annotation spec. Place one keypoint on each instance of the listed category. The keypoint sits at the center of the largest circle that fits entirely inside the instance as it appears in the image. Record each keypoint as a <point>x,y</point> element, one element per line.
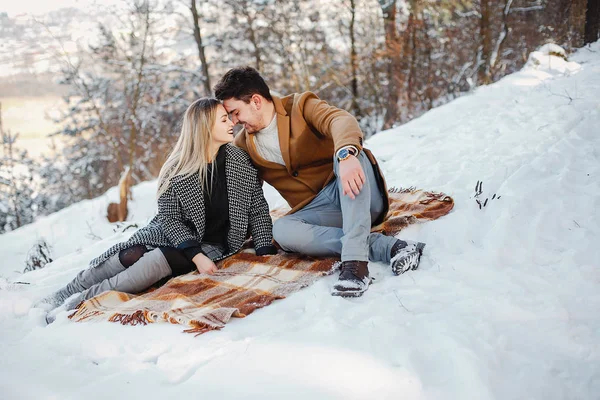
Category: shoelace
<point>350,267</point>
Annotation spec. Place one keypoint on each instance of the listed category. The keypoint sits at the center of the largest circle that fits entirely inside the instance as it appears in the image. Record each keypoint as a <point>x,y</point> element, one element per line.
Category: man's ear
<point>256,101</point>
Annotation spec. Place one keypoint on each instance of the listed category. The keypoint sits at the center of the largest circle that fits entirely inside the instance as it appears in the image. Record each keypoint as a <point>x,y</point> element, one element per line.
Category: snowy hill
<point>505,304</point>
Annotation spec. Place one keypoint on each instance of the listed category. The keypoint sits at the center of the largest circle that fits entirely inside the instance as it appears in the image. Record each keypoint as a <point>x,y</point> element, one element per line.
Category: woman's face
<point>222,131</point>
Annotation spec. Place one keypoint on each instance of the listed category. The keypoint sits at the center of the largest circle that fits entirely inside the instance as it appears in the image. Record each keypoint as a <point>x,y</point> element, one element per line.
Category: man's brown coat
<point>310,132</point>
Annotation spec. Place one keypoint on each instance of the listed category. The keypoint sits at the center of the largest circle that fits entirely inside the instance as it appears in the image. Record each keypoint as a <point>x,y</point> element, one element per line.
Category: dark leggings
<point>131,255</point>
<point>177,260</point>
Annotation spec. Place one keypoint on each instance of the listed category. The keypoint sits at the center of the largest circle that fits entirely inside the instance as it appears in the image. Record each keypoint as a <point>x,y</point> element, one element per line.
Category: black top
<point>216,202</point>
<point>216,205</point>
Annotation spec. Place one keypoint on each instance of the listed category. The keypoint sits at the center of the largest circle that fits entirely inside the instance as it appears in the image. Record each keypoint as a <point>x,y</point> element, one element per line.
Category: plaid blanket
<point>245,281</point>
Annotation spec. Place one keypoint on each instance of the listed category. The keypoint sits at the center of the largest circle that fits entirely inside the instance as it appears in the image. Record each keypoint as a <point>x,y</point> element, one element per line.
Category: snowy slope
<point>505,305</point>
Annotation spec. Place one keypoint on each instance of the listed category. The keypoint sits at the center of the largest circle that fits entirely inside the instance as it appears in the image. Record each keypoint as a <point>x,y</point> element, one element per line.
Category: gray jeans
<point>333,224</point>
<point>111,275</point>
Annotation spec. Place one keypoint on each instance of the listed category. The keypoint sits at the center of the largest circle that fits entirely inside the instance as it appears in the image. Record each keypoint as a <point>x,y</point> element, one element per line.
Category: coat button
<point>295,174</point>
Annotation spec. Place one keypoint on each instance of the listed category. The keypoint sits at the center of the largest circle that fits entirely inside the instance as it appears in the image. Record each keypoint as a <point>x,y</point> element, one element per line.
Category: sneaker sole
<point>403,269</point>
<point>348,293</point>
<point>351,293</point>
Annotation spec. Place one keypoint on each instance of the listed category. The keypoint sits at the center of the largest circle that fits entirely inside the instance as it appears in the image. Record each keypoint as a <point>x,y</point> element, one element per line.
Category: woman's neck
<point>214,150</point>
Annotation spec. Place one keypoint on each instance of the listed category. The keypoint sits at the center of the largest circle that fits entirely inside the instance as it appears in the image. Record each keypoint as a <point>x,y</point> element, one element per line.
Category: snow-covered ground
<point>505,305</point>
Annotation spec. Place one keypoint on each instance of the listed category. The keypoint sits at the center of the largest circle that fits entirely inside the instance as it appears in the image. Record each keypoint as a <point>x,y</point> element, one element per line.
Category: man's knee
<point>289,232</point>
<point>282,229</point>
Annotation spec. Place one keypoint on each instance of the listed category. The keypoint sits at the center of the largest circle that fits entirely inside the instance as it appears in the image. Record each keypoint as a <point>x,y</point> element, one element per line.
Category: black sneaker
<point>354,279</point>
<point>406,256</point>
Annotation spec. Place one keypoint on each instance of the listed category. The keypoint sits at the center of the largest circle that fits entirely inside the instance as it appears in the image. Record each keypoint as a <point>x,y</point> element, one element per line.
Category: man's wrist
<point>345,152</point>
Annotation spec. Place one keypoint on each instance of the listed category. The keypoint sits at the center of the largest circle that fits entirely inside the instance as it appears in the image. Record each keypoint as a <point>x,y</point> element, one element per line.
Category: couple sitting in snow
<point>210,194</point>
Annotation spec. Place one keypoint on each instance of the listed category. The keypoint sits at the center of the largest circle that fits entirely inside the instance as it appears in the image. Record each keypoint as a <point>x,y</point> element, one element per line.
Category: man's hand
<point>352,176</point>
<point>204,264</point>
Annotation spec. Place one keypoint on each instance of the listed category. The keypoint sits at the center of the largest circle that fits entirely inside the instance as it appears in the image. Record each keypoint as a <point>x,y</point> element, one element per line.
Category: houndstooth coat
<point>180,221</point>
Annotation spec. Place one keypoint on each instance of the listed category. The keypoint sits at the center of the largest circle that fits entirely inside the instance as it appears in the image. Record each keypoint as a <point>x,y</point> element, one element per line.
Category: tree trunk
<point>253,39</point>
<point>592,22</point>
<point>503,35</point>
<point>393,50</point>
<point>354,83</point>
<point>124,193</point>
<point>411,45</point>
<point>428,50</point>
<point>250,12</point>
<point>133,119</point>
<point>117,212</point>
<point>201,54</point>
<point>484,74</point>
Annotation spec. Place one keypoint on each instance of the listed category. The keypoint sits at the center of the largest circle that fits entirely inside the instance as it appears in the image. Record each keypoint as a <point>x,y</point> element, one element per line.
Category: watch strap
<point>345,152</point>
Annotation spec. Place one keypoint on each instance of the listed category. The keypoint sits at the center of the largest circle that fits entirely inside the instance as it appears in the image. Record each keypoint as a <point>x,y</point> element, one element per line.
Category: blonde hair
<point>191,153</point>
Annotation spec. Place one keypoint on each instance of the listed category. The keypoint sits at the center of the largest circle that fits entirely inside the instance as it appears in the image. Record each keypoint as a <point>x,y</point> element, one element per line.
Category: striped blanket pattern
<point>245,282</point>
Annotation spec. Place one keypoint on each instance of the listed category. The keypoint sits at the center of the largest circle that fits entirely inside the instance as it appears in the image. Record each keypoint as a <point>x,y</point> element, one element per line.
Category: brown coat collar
<point>283,111</point>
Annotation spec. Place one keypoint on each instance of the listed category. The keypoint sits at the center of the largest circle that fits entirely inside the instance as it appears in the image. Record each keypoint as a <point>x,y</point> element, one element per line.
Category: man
<point>312,154</point>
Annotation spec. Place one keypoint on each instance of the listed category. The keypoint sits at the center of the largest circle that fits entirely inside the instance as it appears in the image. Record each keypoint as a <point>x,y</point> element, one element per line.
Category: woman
<point>209,198</point>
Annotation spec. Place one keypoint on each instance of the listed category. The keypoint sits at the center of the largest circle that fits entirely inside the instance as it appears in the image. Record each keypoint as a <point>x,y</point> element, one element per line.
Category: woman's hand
<point>204,264</point>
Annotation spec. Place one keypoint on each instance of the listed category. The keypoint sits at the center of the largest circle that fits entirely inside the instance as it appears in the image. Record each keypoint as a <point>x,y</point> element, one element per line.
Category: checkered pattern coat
<point>180,221</point>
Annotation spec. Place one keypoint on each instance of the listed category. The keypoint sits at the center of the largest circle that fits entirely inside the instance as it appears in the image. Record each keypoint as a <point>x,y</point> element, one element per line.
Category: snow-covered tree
<point>20,203</point>
<point>126,100</point>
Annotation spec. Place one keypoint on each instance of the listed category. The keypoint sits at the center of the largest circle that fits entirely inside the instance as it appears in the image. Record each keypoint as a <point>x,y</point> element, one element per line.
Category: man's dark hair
<point>241,83</point>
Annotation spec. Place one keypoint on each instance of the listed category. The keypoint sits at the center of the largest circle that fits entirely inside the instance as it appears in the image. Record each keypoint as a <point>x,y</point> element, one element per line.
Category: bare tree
<point>17,203</point>
<point>493,59</point>
<point>394,55</point>
<point>8,141</point>
<point>484,54</point>
<point>245,15</point>
<point>199,44</point>
<point>139,64</point>
<point>592,22</point>
<point>124,102</point>
<point>353,60</point>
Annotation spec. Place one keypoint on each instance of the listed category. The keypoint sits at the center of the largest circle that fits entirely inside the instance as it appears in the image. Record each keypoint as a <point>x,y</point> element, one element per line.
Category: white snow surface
<point>505,304</point>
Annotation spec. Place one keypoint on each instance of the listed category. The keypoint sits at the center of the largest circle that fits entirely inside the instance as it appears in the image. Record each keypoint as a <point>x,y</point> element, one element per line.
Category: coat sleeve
<point>261,225</point>
<point>170,216</point>
<point>331,121</point>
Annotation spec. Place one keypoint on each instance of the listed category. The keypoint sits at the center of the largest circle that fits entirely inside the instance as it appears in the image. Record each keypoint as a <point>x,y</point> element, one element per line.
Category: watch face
<point>343,154</point>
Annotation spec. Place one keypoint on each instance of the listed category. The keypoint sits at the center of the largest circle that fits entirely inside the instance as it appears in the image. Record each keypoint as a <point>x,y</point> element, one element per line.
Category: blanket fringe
<point>198,328</point>
<point>436,197</point>
<point>395,189</point>
<point>82,312</point>
<point>137,318</point>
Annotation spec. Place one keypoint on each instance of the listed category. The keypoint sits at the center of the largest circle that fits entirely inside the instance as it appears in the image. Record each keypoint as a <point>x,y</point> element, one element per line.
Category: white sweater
<point>267,143</point>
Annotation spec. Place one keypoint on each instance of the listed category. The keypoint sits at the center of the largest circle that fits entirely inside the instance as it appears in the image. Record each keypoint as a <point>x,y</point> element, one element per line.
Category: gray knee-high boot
<point>84,280</point>
<point>148,270</point>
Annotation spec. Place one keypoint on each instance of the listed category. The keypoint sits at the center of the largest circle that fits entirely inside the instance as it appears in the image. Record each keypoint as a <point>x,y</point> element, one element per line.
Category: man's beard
<point>251,129</point>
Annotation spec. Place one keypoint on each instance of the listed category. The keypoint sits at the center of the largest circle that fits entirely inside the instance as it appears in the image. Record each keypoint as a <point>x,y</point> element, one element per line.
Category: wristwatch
<point>345,152</point>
